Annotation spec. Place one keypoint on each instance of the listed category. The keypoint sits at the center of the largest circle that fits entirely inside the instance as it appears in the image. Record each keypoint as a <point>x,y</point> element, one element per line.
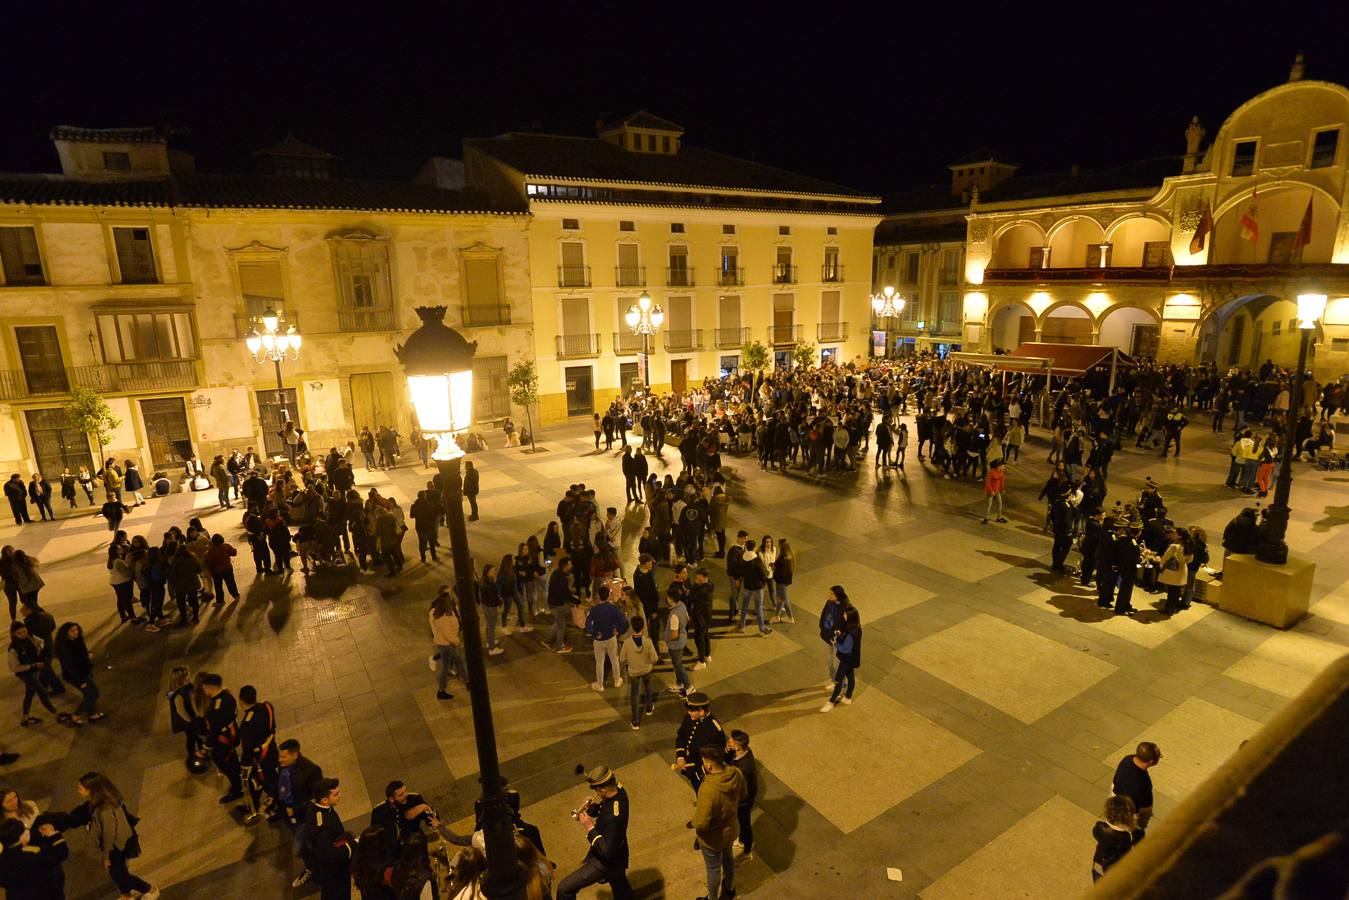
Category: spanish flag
<point>1201,233</point>
<point>1304,232</point>
<point>1250,231</point>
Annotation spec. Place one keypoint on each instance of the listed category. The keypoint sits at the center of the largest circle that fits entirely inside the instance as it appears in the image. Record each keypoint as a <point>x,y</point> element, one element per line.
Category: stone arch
<point>1066,322</point>
<point>1068,240</point>
<point>1246,330</point>
<point>1119,324</point>
<point>1129,235</point>
<point>1004,323</point>
<point>1013,241</point>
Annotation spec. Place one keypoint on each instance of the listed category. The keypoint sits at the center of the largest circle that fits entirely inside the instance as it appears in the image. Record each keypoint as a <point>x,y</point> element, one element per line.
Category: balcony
<point>831,331</point>
<point>679,276</point>
<point>1094,275</point>
<point>112,378</point>
<point>243,324</point>
<point>486,316</point>
<point>784,273</point>
<point>831,273</point>
<point>730,277</point>
<point>783,334</point>
<point>630,276</point>
<point>626,343</point>
<point>680,341</point>
<point>575,346</point>
<point>360,319</point>
<point>731,337</point>
<point>573,276</point>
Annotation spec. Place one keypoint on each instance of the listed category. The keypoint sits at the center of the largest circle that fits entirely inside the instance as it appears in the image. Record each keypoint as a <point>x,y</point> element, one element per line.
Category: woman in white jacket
<point>444,619</point>
<point>768,552</point>
<point>1174,564</point>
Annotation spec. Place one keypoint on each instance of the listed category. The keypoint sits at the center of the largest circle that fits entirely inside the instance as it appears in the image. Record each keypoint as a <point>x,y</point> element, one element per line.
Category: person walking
<point>86,480</point>
<point>1114,836</point>
<point>740,756</point>
<point>219,563</point>
<point>114,829</point>
<point>995,482</point>
<point>133,483</point>
<point>699,604</point>
<point>638,657</point>
<point>26,663</point>
<point>716,819</point>
<point>17,495</point>
<point>605,624</point>
<point>221,476</point>
<point>1134,780</point>
<point>444,619</point>
<point>830,620</point>
<point>40,492</point>
<point>471,489</point>
<point>77,668</point>
<point>848,648</point>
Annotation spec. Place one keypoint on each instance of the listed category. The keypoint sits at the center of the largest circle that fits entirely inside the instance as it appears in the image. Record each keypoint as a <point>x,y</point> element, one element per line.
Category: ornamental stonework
<point>1106,217</point>
<point>978,232</point>
<point>1189,220</point>
<point>1046,220</point>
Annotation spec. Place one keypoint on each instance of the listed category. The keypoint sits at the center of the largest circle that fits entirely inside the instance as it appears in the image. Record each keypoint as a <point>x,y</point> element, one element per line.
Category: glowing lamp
<point>254,342</point>
<point>644,301</point>
<point>439,366</point>
<point>657,317</point>
<point>1311,306</point>
<point>632,317</point>
<point>270,319</point>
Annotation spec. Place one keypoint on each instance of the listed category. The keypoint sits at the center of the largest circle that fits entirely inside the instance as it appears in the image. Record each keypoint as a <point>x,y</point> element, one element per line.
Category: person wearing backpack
<point>114,829</point>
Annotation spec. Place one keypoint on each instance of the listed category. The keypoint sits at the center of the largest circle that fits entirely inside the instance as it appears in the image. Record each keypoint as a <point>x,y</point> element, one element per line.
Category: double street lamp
<point>272,340</point>
<point>438,362</point>
<point>1311,306</point>
<point>886,304</point>
<point>645,319</point>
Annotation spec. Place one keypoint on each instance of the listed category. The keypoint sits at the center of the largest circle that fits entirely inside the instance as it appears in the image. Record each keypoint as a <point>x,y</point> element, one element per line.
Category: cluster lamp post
<point>645,319</point>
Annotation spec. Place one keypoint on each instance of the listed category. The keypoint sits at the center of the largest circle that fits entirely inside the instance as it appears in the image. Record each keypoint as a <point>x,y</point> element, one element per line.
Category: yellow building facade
<point>1108,258</point>
<point>732,251</point>
<point>134,276</point>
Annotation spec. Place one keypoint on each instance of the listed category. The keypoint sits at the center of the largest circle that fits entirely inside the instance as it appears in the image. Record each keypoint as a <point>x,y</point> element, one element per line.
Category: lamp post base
<point>1275,594</point>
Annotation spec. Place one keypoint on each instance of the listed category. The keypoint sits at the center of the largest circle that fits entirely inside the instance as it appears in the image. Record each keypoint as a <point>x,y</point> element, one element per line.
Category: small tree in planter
<point>523,382</point>
<point>754,357</point>
<point>803,353</point>
<point>90,414</point>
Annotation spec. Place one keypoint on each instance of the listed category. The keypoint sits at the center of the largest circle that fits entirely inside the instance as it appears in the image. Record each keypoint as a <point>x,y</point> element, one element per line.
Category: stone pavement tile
<point>568,469</point>
<point>877,728</point>
<point>1286,662</point>
<point>1033,858</point>
<point>1148,628</point>
<point>873,592</point>
<point>1195,739</point>
<point>961,555</point>
<point>1027,676</point>
<point>519,689</point>
<point>849,516</point>
<point>734,654</point>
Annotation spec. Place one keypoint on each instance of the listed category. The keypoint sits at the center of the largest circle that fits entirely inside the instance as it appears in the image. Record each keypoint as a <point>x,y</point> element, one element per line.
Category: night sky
<point>878,100</point>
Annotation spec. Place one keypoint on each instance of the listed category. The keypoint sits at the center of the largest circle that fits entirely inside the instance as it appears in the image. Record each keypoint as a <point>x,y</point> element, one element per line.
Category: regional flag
<point>1250,231</point>
<point>1304,231</point>
<point>1201,233</point>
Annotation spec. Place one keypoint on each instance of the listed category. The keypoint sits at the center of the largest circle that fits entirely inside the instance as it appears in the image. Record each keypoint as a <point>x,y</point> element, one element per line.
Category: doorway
<point>580,390</point>
<point>1144,343</point>
<point>56,445</point>
<point>627,376</point>
<point>782,359</point>
<point>167,432</point>
<point>269,415</point>
<point>679,375</point>
<point>372,401</point>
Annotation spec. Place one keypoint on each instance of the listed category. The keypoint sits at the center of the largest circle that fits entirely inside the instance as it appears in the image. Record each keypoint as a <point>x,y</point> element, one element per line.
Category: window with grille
<point>1324,146</point>
<point>1243,158</point>
<point>262,286</point>
<point>482,287</point>
<point>574,272</point>
<point>135,255</point>
<point>491,397</point>
<point>142,335</point>
<point>19,255</point>
<point>365,299</point>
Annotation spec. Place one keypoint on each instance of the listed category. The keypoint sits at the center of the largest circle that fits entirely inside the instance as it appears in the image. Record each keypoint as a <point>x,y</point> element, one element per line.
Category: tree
<point>90,414</point>
<point>803,353</point>
<point>523,382</point>
<point>754,357</point>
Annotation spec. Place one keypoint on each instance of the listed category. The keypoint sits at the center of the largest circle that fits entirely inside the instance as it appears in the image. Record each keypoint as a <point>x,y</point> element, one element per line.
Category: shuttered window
<point>135,256</point>
<point>482,283</point>
<point>19,255</point>
<point>830,302</point>
<point>729,311</point>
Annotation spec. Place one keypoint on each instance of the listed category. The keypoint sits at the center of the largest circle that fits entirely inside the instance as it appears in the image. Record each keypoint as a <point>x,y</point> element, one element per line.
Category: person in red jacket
<point>994,483</point>
<point>219,562</point>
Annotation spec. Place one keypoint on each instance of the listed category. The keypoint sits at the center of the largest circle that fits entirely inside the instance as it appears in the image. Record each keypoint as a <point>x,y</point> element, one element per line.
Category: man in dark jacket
<point>471,489</point>
<point>254,490</point>
<point>733,557</point>
<point>634,473</point>
<point>426,518</point>
<point>699,605</point>
<point>30,863</point>
<point>17,495</point>
<point>40,492</point>
<point>1127,556</point>
<point>257,747</point>
<point>698,729</point>
<point>1060,520</point>
<point>560,600</point>
<point>222,733</point>
<point>297,777</point>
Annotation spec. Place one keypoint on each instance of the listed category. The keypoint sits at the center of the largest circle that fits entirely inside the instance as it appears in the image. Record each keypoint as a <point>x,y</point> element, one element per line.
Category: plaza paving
<point>993,702</point>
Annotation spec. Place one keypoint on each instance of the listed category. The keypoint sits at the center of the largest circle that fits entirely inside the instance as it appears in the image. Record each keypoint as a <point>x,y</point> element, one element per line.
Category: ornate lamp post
<point>272,340</point>
<point>1311,305</point>
<point>645,319</point>
<point>886,305</point>
<point>439,366</point>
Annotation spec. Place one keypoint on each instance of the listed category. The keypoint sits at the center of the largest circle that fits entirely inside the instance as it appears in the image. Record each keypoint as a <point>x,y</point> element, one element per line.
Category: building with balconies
<point>1188,258</point>
<point>132,275</point>
<point>733,251</point>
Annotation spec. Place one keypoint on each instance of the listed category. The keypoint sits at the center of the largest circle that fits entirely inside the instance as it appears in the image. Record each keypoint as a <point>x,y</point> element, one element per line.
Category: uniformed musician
<point>257,748</point>
<point>222,733</point>
<point>606,825</point>
<point>698,728</point>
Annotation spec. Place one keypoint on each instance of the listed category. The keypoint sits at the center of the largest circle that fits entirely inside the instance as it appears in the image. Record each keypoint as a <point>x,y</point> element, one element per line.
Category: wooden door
<point>373,402</point>
<point>679,375</point>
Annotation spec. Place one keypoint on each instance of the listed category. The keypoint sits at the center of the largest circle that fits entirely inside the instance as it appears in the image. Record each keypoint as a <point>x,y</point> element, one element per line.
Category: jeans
<point>677,663</point>
<point>592,871</point>
<point>32,687</point>
<point>426,543</point>
<point>489,616</point>
<point>224,495</point>
<point>449,657</point>
<point>507,602</point>
<point>122,877</point>
<point>755,597</point>
<point>222,581</point>
<point>783,606</point>
<point>1248,469</point>
<point>720,868</point>
<point>833,661</point>
<point>560,616</point>
<point>639,694</point>
<point>1188,596</point>
<point>607,648</point>
<point>90,694</point>
<point>847,673</point>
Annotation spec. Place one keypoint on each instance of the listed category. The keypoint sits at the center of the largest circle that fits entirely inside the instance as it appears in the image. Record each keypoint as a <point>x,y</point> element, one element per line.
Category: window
<point>1276,327</point>
<point>676,228</point>
<point>573,272</point>
<point>1281,247</point>
<point>680,275</point>
<point>576,317</point>
<point>19,255</point>
<point>40,353</point>
<point>730,265</point>
<point>1156,254</point>
<point>627,226</point>
<point>1243,158</point>
<point>831,270</point>
<point>784,229</point>
<point>729,365</point>
<point>729,333</point>
<point>571,224</point>
<point>651,142</point>
<point>491,397</point>
<point>664,143</point>
<point>116,162</point>
<point>950,266</point>
<point>1292,323</point>
<point>482,285</point>
<point>728,229</point>
<point>831,308</point>
<point>1098,256</point>
<point>783,271</point>
<point>1324,145</point>
<point>948,312</point>
<point>135,256</point>
<point>910,268</point>
<point>260,283</point>
<point>1039,258</point>
<point>141,335</point>
<point>629,270</point>
<point>365,296</point>
<point>831,230</point>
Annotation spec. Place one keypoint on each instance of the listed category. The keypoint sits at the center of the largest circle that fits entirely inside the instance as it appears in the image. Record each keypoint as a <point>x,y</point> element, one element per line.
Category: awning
<point>1068,359</point>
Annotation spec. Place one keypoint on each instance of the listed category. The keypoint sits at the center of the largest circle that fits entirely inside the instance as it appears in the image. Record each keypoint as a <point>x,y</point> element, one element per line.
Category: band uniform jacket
<point>257,733</point>
<point>221,730</point>
<point>693,735</point>
<point>609,837</point>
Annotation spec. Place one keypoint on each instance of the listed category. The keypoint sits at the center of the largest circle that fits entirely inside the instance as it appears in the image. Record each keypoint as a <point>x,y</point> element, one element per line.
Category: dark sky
<point>876,98</point>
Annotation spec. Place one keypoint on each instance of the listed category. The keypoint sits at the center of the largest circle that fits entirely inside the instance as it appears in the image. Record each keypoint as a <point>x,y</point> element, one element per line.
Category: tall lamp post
<point>886,305</point>
<point>1311,305</point>
<point>272,340</point>
<point>438,362</point>
<point>645,319</point>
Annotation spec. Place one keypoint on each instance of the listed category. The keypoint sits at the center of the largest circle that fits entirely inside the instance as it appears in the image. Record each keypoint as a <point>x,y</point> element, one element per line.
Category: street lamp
<point>886,305</point>
<point>272,340</point>
<point>439,366</point>
<point>645,319</point>
<point>1273,549</point>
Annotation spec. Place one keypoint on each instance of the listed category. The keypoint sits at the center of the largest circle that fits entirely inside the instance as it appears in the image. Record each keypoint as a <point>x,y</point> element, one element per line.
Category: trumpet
<point>589,807</point>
